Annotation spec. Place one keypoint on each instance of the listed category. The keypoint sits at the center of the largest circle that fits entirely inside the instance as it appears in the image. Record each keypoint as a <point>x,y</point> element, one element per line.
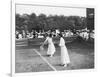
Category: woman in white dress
<point>65,60</point>
<point>51,47</point>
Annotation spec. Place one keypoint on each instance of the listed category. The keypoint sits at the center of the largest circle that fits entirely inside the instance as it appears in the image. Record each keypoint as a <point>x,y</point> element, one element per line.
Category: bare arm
<point>45,41</point>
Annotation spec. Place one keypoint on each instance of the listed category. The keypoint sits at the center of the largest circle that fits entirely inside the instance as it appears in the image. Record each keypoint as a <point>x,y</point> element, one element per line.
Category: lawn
<point>27,60</point>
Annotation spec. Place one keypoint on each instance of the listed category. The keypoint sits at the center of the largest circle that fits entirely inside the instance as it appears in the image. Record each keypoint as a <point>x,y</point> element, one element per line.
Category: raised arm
<point>45,41</point>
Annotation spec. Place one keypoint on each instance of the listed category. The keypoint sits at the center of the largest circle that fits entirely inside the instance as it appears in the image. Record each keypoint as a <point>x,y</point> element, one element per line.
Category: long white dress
<point>64,52</point>
<point>51,47</point>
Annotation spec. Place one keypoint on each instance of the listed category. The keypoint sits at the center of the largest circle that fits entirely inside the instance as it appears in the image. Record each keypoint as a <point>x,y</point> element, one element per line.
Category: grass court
<point>29,57</point>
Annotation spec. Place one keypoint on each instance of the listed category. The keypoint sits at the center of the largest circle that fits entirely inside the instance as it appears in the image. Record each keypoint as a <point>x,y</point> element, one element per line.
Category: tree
<point>43,22</point>
<point>19,21</point>
<point>32,23</point>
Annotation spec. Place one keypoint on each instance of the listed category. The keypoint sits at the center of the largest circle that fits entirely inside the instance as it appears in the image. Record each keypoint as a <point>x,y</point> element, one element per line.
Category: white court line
<point>45,60</point>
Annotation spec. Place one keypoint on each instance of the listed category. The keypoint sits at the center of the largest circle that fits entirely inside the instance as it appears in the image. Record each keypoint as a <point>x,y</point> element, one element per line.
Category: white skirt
<point>51,49</point>
<point>64,55</point>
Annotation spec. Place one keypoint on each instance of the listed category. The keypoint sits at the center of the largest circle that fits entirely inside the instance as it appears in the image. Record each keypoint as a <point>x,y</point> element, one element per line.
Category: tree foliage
<point>43,22</point>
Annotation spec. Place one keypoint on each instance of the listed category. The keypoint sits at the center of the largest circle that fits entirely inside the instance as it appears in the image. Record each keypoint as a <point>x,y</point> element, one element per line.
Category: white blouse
<point>62,42</point>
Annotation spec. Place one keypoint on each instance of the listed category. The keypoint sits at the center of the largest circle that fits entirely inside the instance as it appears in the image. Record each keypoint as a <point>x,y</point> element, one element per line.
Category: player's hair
<point>50,35</point>
<point>60,35</point>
